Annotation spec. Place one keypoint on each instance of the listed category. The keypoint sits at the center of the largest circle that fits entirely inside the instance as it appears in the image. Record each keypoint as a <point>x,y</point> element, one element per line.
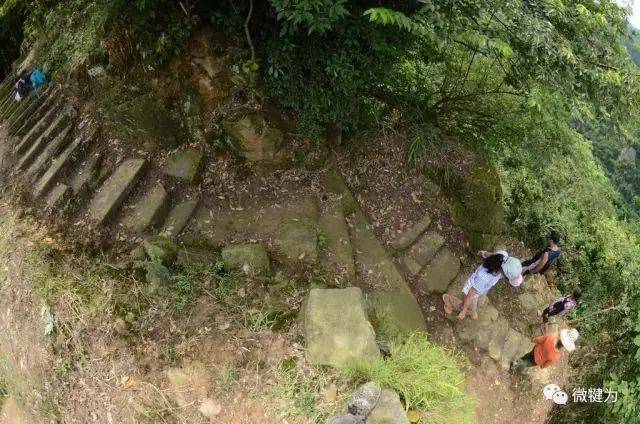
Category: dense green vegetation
<point>546,90</point>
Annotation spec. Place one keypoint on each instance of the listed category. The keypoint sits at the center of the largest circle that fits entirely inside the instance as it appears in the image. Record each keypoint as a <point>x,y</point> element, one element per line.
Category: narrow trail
<point>95,191</point>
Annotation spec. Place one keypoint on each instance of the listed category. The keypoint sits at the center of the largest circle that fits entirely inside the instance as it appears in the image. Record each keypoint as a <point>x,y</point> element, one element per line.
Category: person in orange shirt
<point>548,349</point>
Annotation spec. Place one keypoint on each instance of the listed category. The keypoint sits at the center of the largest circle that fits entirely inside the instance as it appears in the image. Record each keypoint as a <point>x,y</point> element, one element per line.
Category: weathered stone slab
<point>178,218</point>
<point>426,248</point>
<point>498,338</point>
<point>148,210</point>
<point>58,196</point>
<point>252,258</point>
<point>184,164</point>
<point>440,272</point>
<point>410,265</point>
<point>49,151</point>
<point>512,343</point>
<point>334,183</point>
<point>87,173</point>
<point>43,184</point>
<point>405,239</point>
<point>336,328</point>
<point>296,242</point>
<point>392,299</point>
<point>115,190</point>
<point>337,252</point>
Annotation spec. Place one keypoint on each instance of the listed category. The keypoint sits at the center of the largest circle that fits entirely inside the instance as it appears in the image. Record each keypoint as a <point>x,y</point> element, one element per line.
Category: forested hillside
<point>546,91</point>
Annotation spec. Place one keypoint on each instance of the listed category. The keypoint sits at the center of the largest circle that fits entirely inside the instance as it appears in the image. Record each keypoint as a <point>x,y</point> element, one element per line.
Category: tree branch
<point>247,33</point>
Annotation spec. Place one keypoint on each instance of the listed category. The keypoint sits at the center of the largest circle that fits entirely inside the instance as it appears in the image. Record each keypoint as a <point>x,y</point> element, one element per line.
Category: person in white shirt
<point>495,266</point>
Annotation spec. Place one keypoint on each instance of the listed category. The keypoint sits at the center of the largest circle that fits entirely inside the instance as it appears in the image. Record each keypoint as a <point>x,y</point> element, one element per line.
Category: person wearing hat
<point>495,266</point>
<point>548,348</point>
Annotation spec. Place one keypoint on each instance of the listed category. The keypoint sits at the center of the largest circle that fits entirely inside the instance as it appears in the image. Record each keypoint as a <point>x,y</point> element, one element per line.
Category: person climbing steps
<point>542,260</point>
<point>560,307</point>
<point>495,266</point>
<point>548,349</point>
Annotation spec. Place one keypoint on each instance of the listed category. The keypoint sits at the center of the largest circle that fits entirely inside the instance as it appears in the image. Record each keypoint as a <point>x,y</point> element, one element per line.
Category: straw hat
<point>568,338</point>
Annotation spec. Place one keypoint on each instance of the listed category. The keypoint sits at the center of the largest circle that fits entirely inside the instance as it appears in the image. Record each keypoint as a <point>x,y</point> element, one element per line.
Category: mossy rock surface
<point>336,329</point>
<point>437,276</point>
<point>297,243</point>
<point>337,252</point>
<point>256,140</point>
<point>478,207</point>
<point>161,250</point>
<point>142,121</point>
<point>251,258</point>
<point>392,298</point>
<point>334,183</point>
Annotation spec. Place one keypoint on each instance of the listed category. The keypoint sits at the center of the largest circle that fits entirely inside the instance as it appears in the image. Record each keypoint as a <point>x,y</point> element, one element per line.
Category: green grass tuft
<point>427,376</point>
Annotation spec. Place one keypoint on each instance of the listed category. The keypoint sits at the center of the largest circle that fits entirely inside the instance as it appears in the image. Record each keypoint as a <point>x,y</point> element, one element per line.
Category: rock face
<point>491,332</point>
<point>336,328</point>
<point>478,206</point>
<point>184,164</point>
<point>389,410</point>
<point>440,272</point>
<point>251,258</point>
<point>255,140</point>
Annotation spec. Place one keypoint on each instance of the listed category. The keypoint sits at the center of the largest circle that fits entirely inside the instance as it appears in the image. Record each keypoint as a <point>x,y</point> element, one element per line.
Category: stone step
<point>337,254</point>
<point>437,276</point>
<point>57,198</point>
<point>57,166</point>
<point>52,100</point>
<point>178,218</point>
<point>52,149</point>
<point>8,105</point>
<point>87,174</point>
<point>115,190</point>
<point>391,298</point>
<point>16,123</point>
<point>19,108</point>
<point>39,144</point>
<point>37,130</point>
<point>410,235</point>
<point>148,211</point>
<point>422,252</point>
<point>184,164</point>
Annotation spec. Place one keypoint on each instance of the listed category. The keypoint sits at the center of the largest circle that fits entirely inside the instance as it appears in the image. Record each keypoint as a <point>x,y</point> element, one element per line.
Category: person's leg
<point>451,303</point>
<point>474,308</point>
<point>527,360</point>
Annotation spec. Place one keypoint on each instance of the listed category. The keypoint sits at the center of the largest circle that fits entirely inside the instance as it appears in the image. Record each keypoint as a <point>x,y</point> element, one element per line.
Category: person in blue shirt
<point>542,260</point>
<point>37,78</point>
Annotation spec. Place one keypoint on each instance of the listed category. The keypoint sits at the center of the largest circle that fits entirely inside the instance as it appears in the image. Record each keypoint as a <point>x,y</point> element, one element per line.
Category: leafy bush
<point>426,375</point>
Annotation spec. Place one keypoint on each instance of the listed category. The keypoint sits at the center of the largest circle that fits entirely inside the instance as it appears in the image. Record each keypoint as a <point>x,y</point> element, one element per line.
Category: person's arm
<point>539,339</point>
<point>485,253</point>
<point>541,263</point>
<point>467,301</point>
